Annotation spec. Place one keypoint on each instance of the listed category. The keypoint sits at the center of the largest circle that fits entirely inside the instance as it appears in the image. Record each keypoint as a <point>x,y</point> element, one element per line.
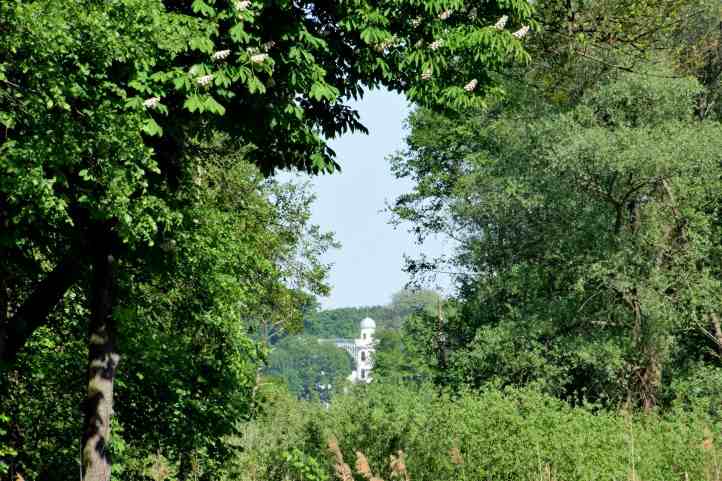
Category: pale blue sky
<point>368,267</point>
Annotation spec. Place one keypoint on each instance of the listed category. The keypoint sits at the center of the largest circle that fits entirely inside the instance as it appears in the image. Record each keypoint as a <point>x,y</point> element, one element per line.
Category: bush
<point>491,435</point>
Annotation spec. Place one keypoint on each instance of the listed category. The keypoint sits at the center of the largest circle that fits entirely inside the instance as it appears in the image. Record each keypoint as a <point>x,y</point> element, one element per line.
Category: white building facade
<point>361,351</point>
<point>363,359</point>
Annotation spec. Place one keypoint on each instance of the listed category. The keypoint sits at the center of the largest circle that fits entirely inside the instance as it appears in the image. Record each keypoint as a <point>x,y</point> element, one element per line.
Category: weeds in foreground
<point>342,470</point>
<point>398,470</point>
<point>520,435</point>
<point>397,465</point>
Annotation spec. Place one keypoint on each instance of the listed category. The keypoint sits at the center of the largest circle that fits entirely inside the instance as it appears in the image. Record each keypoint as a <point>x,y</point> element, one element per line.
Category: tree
<point>344,321</point>
<point>697,44</point>
<point>107,107</point>
<point>587,238</point>
<point>189,332</point>
<point>398,359</point>
<point>311,369</point>
<point>407,300</point>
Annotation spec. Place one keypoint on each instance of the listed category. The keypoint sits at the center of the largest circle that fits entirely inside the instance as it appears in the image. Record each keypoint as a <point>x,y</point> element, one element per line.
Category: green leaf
<point>151,127</point>
<point>193,103</point>
<point>202,44</point>
<point>323,91</point>
<point>199,6</point>
<point>212,105</point>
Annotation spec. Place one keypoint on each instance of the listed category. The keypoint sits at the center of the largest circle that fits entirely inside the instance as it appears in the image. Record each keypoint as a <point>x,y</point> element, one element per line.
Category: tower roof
<point>368,323</point>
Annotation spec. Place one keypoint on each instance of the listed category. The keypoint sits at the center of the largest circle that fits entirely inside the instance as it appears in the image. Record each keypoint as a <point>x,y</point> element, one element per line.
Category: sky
<point>368,268</point>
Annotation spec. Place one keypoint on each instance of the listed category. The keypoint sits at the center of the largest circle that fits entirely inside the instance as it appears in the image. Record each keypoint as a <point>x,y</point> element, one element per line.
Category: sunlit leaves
<point>588,237</point>
<point>152,128</point>
<point>108,83</point>
<point>199,6</point>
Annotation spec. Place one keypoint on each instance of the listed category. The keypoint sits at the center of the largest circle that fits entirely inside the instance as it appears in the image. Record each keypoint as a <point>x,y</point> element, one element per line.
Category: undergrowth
<point>391,433</point>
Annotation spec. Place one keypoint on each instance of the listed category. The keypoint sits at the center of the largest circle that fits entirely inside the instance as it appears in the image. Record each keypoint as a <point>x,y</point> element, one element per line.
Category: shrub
<point>492,435</point>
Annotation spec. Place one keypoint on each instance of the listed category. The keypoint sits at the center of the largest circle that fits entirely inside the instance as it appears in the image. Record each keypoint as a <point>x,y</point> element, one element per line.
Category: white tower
<point>361,350</point>
<point>368,327</point>
<point>364,351</point>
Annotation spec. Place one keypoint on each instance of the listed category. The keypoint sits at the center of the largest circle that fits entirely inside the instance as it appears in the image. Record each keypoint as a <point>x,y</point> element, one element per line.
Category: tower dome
<point>368,323</point>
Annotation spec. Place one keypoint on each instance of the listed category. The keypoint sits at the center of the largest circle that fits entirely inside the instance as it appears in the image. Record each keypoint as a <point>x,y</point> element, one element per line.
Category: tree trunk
<point>717,326</point>
<point>441,339</point>
<point>102,363</point>
<point>650,379</point>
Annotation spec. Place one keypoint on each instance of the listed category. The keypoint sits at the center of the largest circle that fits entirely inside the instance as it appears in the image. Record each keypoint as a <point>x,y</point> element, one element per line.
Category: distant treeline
<point>344,321</point>
<point>313,370</point>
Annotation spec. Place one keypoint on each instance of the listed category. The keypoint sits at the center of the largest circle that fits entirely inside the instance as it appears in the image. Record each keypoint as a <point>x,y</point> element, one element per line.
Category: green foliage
<point>514,434</point>
<point>41,397</point>
<point>581,44</point>
<point>408,302</point>
<point>698,388</point>
<point>310,369</point>
<point>187,332</point>
<point>303,467</point>
<point>696,47</point>
<point>647,99</point>
<point>343,322</point>
<point>6,452</point>
<point>261,447</point>
<point>585,206</point>
<point>399,359</point>
<point>109,112</point>
<point>587,242</point>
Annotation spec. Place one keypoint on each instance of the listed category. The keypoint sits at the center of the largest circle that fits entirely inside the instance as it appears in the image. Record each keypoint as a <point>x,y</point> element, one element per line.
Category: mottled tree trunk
<point>650,377</point>
<point>102,363</point>
<point>717,327</point>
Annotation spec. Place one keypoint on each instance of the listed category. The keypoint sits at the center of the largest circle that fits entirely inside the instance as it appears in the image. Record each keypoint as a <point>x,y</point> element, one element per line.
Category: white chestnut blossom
<point>471,86</point>
<point>151,103</point>
<point>436,44</point>
<point>445,14</point>
<point>242,5</point>
<point>259,57</point>
<point>501,23</point>
<point>416,22</point>
<point>205,80</point>
<point>269,45</point>
<point>521,32</point>
<point>221,54</point>
<point>426,74</point>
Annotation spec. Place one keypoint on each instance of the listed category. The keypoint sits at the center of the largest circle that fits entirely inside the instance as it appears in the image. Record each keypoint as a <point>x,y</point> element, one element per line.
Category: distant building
<point>361,350</point>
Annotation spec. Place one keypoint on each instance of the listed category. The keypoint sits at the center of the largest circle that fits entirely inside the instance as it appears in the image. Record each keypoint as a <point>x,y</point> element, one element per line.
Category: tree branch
<point>34,312</point>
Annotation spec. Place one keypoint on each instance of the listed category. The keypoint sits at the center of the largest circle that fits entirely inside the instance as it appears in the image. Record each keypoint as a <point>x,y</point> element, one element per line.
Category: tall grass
<point>403,434</point>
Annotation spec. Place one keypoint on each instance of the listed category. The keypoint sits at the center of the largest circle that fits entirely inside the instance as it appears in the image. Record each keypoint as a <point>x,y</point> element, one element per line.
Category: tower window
<point>363,355</point>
